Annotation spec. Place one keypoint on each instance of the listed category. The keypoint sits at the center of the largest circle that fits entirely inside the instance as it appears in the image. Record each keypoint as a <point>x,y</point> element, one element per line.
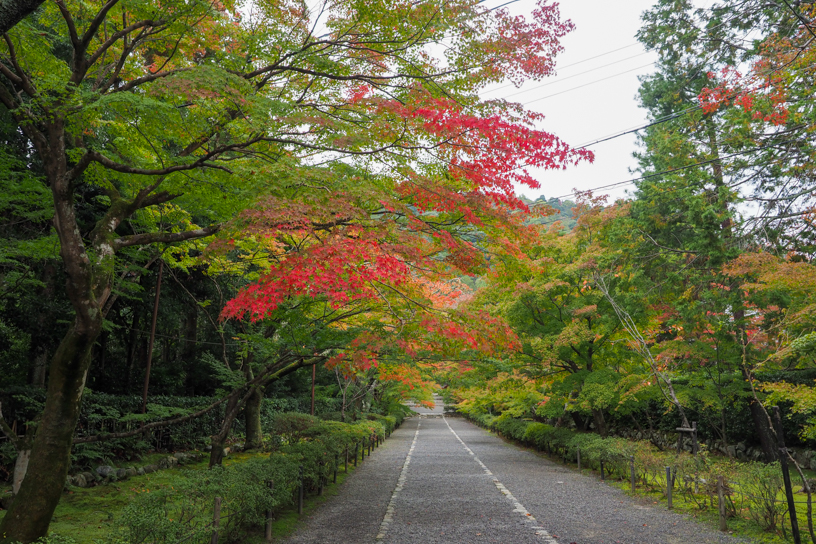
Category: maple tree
<point>147,111</point>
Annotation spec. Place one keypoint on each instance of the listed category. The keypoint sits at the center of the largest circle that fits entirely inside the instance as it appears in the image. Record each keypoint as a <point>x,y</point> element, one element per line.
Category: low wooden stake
<point>268,531</point>
<point>216,520</point>
<point>721,503</point>
<point>300,491</point>
<point>669,486</point>
<point>632,471</point>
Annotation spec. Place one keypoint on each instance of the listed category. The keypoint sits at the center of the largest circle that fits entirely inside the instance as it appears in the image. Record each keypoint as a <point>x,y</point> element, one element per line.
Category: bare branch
<point>164,237</point>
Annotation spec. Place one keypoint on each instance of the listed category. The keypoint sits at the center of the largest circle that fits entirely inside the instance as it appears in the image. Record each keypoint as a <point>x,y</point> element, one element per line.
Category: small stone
<point>121,474</point>
<point>105,470</point>
<point>150,469</point>
<point>180,456</point>
<point>140,471</point>
<point>131,472</point>
<point>732,451</point>
<point>89,477</point>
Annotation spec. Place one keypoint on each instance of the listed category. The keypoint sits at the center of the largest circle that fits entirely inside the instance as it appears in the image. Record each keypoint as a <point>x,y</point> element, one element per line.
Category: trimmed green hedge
<point>564,442</point>
<point>316,445</point>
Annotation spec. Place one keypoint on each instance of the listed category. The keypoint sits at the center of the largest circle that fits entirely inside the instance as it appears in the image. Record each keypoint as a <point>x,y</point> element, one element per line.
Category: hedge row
<point>184,512</point>
<point>614,452</point>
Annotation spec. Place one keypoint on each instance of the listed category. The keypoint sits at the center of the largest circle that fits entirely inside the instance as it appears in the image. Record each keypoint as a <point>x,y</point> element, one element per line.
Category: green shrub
<point>537,434</point>
<point>291,425</point>
<point>510,427</point>
<point>389,422</point>
<point>184,512</point>
<point>760,485</point>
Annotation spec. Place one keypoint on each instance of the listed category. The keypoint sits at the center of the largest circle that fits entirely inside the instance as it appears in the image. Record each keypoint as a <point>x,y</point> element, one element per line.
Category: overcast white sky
<point>594,110</point>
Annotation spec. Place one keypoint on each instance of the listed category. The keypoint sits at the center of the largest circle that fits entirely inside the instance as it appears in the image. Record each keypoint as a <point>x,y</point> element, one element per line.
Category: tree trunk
<point>20,467</point>
<point>600,422</point>
<point>252,416</point>
<point>763,431</point>
<point>32,509</point>
<point>218,440</point>
<point>14,11</point>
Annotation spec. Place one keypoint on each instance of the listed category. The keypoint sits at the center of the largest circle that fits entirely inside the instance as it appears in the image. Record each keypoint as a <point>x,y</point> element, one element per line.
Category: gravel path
<point>443,480</point>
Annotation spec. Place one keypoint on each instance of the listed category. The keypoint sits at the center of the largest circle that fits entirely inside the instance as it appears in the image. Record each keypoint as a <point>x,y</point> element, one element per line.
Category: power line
<point>664,172</point>
<point>576,63</point>
<point>588,84</point>
<point>575,75</point>
<point>657,121</point>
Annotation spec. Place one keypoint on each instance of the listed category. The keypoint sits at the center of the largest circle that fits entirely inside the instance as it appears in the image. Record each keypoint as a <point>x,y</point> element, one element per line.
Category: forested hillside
<point>213,213</point>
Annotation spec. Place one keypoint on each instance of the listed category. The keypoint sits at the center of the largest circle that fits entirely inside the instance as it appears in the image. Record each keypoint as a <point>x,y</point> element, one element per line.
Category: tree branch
<point>163,237</point>
<point>115,37</point>
<point>148,427</point>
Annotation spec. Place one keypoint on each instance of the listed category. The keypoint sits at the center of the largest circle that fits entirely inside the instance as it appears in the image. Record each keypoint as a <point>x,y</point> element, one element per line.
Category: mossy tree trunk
<point>252,420</point>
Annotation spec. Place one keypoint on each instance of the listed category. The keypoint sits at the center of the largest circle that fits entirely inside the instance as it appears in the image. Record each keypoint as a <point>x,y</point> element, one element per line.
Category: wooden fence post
<point>268,531</point>
<point>669,486</point>
<point>336,466</point>
<point>632,471</point>
<point>356,445</point>
<point>216,520</point>
<point>603,476</point>
<point>578,454</point>
<point>694,447</point>
<point>721,503</point>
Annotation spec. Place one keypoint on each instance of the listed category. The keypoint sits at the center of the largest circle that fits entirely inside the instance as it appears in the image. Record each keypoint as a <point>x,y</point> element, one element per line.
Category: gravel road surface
<point>443,480</point>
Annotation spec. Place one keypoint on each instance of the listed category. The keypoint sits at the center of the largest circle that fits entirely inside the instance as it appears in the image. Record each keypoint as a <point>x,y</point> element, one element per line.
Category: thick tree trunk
<point>14,11</point>
<point>252,417</point>
<point>34,505</point>
<point>763,431</point>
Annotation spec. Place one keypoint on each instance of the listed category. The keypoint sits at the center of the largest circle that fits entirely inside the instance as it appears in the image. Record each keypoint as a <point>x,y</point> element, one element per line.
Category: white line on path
<point>540,531</point>
<point>389,512</point>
